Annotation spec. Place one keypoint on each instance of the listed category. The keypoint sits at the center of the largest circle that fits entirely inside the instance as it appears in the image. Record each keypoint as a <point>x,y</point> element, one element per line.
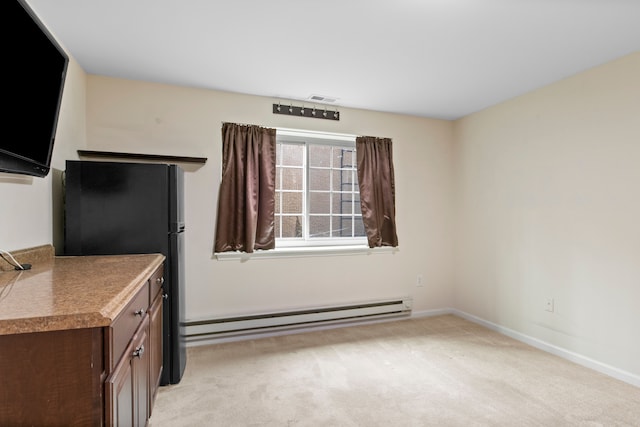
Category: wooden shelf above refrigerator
<point>139,156</point>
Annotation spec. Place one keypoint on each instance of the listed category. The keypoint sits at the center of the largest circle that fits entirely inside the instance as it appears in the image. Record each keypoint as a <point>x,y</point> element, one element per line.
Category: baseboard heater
<point>204,330</point>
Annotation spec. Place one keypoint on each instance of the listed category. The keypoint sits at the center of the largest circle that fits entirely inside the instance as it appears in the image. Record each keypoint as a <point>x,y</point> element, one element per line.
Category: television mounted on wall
<point>35,66</point>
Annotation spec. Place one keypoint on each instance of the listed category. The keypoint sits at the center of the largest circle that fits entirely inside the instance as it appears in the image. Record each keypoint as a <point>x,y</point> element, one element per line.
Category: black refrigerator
<point>133,208</point>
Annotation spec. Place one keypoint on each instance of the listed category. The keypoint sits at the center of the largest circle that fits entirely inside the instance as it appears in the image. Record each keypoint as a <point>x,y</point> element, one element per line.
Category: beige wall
<point>547,191</point>
<point>539,194</point>
<point>30,207</point>
<point>151,118</point>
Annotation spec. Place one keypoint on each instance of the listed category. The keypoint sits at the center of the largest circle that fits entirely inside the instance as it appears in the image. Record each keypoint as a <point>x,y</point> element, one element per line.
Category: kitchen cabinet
<point>128,386</point>
<point>155,336</point>
<point>134,382</point>
<point>79,341</point>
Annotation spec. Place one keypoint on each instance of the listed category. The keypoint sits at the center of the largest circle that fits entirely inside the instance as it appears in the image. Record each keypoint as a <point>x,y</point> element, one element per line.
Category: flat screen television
<point>35,67</point>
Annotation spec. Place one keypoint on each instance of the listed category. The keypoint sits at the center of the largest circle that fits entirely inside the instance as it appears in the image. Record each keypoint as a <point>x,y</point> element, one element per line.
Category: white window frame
<point>318,138</point>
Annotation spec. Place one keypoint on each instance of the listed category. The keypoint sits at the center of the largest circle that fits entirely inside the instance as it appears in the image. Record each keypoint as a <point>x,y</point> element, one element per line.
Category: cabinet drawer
<point>128,321</point>
<point>155,283</point>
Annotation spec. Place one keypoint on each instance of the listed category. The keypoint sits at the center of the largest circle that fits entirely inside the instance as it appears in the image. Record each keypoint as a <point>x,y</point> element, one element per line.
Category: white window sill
<point>299,252</point>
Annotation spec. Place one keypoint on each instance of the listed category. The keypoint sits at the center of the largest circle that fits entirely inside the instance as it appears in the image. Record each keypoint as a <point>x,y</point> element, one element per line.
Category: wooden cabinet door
<point>140,366</point>
<point>119,390</point>
<point>155,348</point>
<point>127,388</point>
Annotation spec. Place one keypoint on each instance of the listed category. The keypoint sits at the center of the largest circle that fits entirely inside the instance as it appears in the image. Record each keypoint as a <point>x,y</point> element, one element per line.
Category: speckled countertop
<point>71,292</point>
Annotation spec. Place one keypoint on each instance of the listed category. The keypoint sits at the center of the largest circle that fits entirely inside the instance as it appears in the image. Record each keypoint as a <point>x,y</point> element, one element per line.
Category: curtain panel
<point>377,190</point>
<point>246,200</point>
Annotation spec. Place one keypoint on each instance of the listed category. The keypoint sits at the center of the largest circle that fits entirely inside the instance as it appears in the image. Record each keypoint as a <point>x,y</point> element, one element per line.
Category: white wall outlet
<point>548,306</point>
<point>419,281</point>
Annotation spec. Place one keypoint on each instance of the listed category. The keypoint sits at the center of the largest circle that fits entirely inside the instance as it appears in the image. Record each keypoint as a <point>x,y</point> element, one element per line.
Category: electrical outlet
<point>419,281</point>
<point>549,305</point>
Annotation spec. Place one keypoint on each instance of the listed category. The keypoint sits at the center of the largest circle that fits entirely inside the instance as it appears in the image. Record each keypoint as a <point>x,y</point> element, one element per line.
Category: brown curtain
<point>246,201</point>
<point>377,190</point>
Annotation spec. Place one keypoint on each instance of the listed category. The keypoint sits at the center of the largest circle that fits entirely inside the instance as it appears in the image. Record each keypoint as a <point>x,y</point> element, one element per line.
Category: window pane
<point>317,193</point>
<point>319,202</point>
<point>319,226</point>
<point>338,202</point>
<point>292,179</point>
<point>359,227</point>
<point>277,227</point>
<point>342,226</point>
<point>319,179</point>
<point>343,180</point>
<point>344,158</point>
<point>291,155</point>
<point>291,226</point>
<point>291,203</point>
<point>344,203</point>
<point>347,226</point>
<point>320,155</point>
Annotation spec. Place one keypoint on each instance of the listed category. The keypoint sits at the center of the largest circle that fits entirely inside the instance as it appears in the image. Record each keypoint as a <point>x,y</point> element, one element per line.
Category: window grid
<point>281,216</point>
<point>340,215</point>
<point>351,215</point>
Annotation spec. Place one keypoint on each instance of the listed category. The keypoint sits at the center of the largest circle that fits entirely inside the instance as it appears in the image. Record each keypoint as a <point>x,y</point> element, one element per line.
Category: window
<point>317,194</point>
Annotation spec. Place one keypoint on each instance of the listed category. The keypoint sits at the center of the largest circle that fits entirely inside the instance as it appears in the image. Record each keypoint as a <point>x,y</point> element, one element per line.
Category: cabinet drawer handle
<point>139,312</point>
<point>165,296</point>
<point>160,280</point>
<point>139,351</point>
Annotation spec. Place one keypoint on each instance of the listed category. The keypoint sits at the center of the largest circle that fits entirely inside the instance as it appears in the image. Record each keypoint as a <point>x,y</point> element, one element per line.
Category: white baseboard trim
<point>603,368</point>
<point>431,313</point>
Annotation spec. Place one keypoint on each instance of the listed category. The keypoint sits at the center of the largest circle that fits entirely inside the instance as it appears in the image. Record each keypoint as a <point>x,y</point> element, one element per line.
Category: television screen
<point>35,69</point>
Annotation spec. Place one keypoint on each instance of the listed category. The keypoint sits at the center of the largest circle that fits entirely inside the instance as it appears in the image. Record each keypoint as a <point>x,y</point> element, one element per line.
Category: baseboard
<point>431,313</point>
<point>555,350</point>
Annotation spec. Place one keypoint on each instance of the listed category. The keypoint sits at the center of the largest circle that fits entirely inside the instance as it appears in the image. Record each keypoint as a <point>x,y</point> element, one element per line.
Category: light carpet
<point>433,371</point>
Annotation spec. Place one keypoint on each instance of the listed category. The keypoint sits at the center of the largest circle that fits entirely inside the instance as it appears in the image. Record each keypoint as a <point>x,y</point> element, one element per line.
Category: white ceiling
<point>433,58</point>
